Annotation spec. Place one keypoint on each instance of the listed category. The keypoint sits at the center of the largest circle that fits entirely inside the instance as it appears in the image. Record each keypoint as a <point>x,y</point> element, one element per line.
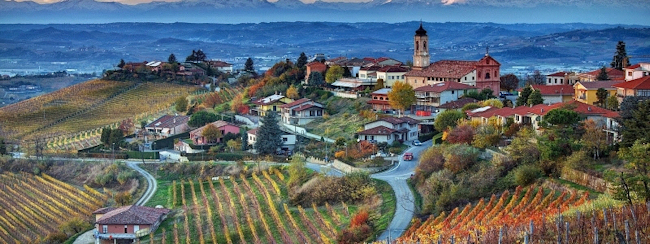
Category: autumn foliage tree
<point>462,134</point>
<point>401,96</point>
<point>211,133</point>
<point>292,92</point>
<point>509,82</point>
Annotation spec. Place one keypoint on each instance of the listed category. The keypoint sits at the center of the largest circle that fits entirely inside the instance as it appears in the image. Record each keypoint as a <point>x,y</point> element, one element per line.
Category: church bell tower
<point>421,58</point>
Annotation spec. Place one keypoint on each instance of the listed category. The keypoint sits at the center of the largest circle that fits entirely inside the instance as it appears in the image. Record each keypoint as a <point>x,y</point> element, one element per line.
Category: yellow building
<point>270,103</point>
<point>586,91</point>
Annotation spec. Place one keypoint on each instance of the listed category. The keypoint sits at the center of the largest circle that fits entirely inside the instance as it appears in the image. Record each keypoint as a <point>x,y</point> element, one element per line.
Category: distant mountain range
<point>240,11</point>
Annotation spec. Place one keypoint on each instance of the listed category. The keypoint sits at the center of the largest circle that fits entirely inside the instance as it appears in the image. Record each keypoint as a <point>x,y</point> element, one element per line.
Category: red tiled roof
<point>103,210</point>
<point>561,74</point>
<point>445,69</point>
<point>380,102</point>
<point>218,124</point>
<point>444,86</point>
<point>594,85</point>
<point>554,90</point>
<point>371,68</point>
<point>611,72</point>
<point>305,107</point>
<point>169,121</point>
<point>294,103</point>
<point>379,130</point>
<point>636,84</point>
<point>218,63</point>
<point>132,214</point>
<point>633,66</point>
<point>380,59</point>
<point>583,108</point>
<point>393,69</point>
<point>268,100</point>
<point>253,131</point>
<point>370,59</point>
<point>458,103</point>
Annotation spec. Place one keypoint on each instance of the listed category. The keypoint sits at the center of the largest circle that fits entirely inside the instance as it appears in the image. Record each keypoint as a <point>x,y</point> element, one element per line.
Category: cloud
<point>450,2</point>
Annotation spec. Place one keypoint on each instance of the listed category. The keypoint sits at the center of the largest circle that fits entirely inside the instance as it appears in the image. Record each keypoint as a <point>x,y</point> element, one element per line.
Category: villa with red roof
<point>561,78</point>
<point>379,100</point>
<point>301,111</point>
<point>128,223</point>
<point>635,88</point>
<point>224,127</point>
<point>270,103</point>
<point>554,93</point>
<point>168,125</point>
<point>429,97</point>
<point>389,129</point>
<point>586,91</point>
<point>314,67</point>
<point>636,71</point>
<point>612,73</point>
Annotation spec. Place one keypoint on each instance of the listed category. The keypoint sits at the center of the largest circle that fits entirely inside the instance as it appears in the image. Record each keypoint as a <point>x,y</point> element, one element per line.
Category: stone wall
<point>587,180</point>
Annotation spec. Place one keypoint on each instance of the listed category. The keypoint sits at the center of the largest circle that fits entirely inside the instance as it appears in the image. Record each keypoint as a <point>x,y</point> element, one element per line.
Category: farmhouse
<point>301,111</point>
<point>126,224</point>
<point>224,127</point>
<point>389,129</point>
<point>168,125</point>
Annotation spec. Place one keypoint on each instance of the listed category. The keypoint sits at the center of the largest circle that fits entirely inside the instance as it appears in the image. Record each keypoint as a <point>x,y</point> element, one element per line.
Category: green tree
<point>121,64</point>
<point>302,61</point>
<point>601,94</point>
<point>620,59</point>
<point>635,121</point>
<point>181,104</point>
<point>232,144</point>
<point>74,226</point>
<point>535,98</point>
<point>379,85</point>
<point>297,171</point>
<point>612,103</point>
<point>244,139</point>
<point>172,59</point>
<point>248,66</point>
<point>346,72</point>
<point>211,133</point>
<point>201,118</point>
<point>494,102</point>
<point>316,79</point>
<point>594,140</point>
<point>487,93</point>
<point>111,136</point>
<point>638,159</point>
<point>401,96</point>
<point>523,96</point>
<point>447,118</point>
<point>562,117</point>
<point>521,150</point>
<point>334,73</point>
<point>602,75</point>
<point>269,135</point>
<point>509,82</point>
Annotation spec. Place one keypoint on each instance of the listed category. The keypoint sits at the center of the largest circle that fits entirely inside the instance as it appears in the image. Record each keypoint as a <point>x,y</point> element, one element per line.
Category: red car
<point>408,156</point>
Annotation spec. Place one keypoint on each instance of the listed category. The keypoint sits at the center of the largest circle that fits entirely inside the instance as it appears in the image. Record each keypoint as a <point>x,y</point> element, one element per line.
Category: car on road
<point>417,143</point>
<point>504,94</point>
<point>408,156</point>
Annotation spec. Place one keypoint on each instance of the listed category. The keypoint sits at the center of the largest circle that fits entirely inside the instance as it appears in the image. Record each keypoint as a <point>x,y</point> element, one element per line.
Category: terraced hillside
<point>32,207</point>
<point>242,209</point>
<point>73,116</point>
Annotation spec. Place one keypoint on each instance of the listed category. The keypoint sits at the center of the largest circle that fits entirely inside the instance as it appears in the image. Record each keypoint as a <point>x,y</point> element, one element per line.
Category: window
<point>495,74</point>
<point>424,44</point>
<point>629,73</point>
<point>555,80</point>
<point>104,229</point>
<point>452,91</point>
<point>487,75</point>
<point>465,77</point>
<point>126,229</point>
<point>285,139</point>
<point>417,46</point>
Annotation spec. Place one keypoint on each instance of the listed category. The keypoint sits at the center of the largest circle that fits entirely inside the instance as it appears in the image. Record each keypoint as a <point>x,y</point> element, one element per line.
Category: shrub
<point>526,174</point>
<point>461,134</point>
<point>123,198</point>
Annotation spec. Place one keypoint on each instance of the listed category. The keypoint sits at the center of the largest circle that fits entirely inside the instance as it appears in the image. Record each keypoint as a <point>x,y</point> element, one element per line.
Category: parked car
<point>417,143</point>
<point>408,156</point>
<point>504,94</point>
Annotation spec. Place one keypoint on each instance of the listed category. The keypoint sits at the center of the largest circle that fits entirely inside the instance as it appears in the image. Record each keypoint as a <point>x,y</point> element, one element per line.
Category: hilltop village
<point>340,150</point>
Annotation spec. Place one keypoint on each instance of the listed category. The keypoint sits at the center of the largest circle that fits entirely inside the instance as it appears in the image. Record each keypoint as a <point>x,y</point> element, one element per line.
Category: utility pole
<point>113,152</point>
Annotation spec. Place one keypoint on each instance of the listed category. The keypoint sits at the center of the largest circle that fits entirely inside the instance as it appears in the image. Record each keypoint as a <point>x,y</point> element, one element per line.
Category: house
<point>270,103</point>
<point>389,129</point>
<point>561,78</point>
<point>168,125</point>
<point>429,97</point>
<point>221,66</point>
<point>301,111</point>
<point>354,65</point>
<point>379,100</point>
<point>369,72</point>
<point>386,61</point>
<point>555,93</point>
<point>586,91</point>
<point>314,67</point>
<point>482,74</point>
<point>224,127</point>
<point>391,74</point>
<point>128,223</point>
<point>288,140</point>
<point>155,66</point>
<point>612,73</point>
<point>353,84</point>
<point>639,87</point>
<point>636,71</point>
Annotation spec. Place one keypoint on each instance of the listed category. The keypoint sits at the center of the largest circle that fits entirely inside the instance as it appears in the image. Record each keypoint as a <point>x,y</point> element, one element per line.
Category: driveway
<point>396,178</point>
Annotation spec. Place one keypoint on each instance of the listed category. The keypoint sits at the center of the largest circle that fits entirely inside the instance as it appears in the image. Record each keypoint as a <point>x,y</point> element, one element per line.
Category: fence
<point>587,180</point>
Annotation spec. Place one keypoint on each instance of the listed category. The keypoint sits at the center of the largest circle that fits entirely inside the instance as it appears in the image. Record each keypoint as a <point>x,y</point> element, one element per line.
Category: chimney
<point>589,108</point>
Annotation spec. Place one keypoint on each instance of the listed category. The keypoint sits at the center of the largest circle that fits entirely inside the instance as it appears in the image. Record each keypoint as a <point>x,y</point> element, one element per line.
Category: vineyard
<point>530,216</point>
<point>31,207</point>
<point>72,118</point>
<point>242,209</point>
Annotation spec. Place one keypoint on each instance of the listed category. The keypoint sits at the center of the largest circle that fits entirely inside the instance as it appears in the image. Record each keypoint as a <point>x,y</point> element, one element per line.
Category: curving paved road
<point>405,201</point>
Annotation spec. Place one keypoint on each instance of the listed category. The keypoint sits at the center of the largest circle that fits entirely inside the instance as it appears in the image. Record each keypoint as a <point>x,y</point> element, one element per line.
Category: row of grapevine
<point>33,206</point>
<point>248,210</point>
<point>474,221</point>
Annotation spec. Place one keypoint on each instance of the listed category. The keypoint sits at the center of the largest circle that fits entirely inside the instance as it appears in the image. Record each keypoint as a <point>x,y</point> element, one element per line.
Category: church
<point>481,74</point>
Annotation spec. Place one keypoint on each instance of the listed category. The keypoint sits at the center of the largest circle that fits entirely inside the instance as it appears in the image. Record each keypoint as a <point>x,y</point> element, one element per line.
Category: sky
<point>523,3</point>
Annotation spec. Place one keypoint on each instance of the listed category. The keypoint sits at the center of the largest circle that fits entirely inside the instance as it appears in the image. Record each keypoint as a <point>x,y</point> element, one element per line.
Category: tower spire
<point>487,51</point>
